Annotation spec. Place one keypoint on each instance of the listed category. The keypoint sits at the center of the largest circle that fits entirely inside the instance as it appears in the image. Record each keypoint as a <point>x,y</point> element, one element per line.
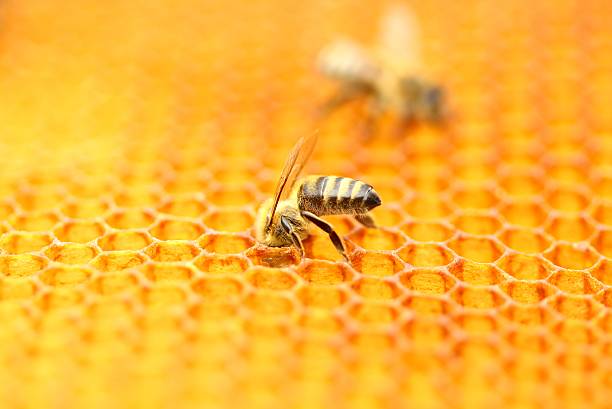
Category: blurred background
<point>138,137</point>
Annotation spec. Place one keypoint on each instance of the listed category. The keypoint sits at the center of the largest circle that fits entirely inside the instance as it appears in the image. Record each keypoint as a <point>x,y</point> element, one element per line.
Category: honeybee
<point>283,220</point>
<point>389,77</point>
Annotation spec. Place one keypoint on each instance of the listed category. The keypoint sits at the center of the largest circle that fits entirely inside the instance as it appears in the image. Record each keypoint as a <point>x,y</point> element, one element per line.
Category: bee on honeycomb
<point>390,76</point>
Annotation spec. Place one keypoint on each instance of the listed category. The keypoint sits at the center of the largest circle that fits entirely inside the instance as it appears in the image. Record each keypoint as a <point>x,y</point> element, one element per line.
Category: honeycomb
<point>139,136</point>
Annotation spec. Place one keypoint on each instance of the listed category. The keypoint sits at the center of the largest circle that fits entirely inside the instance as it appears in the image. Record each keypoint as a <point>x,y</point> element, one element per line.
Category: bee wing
<point>293,167</point>
<point>345,60</point>
<point>399,40</point>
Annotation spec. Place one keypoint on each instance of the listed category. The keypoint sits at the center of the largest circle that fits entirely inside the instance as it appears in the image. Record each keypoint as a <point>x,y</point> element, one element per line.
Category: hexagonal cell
<point>376,264</point>
<point>172,250</point>
<point>176,230</point>
<point>478,297</point>
<point>17,289</point>
<point>86,208</point>
<point>138,196</point>
<point>603,272</point>
<point>233,195</point>
<point>40,198</point>
<point>603,187</point>
<point>343,225</point>
<point>569,227</point>
<point>263,304</point>
<point>425,255</point>
<point>428,207</point>
<point>184,206</point>
<point>524,240</point>
<point>567,173</point>
<point>428,305</point>
<point>574,257</point>
<point>229,220</point>
<point>427,231</point>
<point>427,183</point>
<point>527,314</point>
<point>21,265</point>
<point>576,307</point>
<point>475,198</point>
<point>320,321</point>
<point>79,231</point>
<point>112,283</point>
<point>477,223</point>
<point>164,295</point>
<point>218,288</point>
<point>315,296</point>
<point>605,297</point>
<point>604,321</point>
<point>476,323</point>
<point>575,333</point>
<point>376,289</point>
<point>527,292</point>
<point>71,253</point>
<point>43,221</point>
<point>567,200</point>
<point>479,249</point>
<point>130,219</point>
<point>124,240</point>
<point>524,267</point>
<point>225,243</point>
<point>428,281</point>
<point>66,276</point>
<point>527,214</point>
<point>603,213</point>
<point>575,282</point>
<point>386,216</point>
<point>62,297</point>
<point>377,239</point>
<point>373,313</point>
<point>22,242</point>
<point>321,248</point>
<point>521,185</point>
<point>426,332</point>
<point>324,272</point>
<point>118,260</point>
<point>476,273</point>
<point>187,182</point>
<point>278,257</point>
<point>221,264</point>
<point>167,272</point>
<point>6,209</point>
<point>603,242</point>
<point>270,278</point>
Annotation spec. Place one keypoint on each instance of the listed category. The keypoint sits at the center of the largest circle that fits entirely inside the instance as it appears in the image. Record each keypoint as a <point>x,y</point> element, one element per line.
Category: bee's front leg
<point>295,238</point>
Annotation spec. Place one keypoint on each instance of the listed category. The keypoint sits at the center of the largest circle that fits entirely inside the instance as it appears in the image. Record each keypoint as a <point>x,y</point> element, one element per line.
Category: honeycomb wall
<point>138,137</point>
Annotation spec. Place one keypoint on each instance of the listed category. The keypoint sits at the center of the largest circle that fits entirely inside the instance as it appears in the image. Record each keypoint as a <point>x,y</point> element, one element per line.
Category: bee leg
<point>366,220</point>
<point>403,125</point>
<point>367,127</point>
<point>329,229</point>
<point>344,95</point>
<point>294,236</point>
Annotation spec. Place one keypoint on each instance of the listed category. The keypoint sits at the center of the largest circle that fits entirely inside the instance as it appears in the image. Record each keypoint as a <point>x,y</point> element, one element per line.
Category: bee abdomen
<point>327,195</point>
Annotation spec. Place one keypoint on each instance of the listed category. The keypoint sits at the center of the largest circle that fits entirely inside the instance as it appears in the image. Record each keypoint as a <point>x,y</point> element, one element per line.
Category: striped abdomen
<point>326,195</point>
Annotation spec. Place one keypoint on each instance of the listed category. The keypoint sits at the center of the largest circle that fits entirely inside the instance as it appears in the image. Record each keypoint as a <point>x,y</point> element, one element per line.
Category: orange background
<point>137,138</point>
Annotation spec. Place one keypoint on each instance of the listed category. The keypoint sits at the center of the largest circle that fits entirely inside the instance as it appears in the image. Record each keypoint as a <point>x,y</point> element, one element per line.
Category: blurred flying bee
<point>390,77</point>
<point>282,220</point>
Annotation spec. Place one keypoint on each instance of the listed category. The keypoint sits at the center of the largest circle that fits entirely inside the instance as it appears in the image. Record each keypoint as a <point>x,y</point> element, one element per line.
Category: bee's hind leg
<point>366,220</point>
<point>329,229</point>
<point>295,238</point>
